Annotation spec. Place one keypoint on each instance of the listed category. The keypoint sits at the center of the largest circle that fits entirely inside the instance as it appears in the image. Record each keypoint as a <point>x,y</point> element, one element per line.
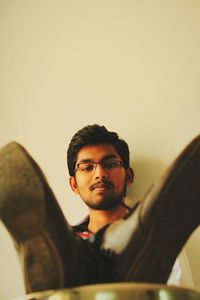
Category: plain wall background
<point>133,66</point>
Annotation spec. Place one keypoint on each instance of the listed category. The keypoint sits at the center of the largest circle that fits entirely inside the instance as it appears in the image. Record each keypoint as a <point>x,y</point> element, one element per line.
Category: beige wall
<point>133,66</point>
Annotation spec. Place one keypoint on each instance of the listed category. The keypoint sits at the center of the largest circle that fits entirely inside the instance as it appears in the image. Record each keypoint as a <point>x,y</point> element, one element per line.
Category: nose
<point>100,172</point>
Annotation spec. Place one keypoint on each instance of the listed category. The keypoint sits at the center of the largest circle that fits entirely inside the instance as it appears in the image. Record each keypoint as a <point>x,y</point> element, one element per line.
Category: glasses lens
<point>86,166</point>
<point>111,164</point>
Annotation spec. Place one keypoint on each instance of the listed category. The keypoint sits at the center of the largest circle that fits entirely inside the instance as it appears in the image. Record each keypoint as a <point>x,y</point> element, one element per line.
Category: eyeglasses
<point>88,167</point>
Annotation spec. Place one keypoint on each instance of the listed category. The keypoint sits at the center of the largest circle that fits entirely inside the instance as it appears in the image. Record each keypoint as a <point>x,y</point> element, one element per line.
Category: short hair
<point>94,135</point>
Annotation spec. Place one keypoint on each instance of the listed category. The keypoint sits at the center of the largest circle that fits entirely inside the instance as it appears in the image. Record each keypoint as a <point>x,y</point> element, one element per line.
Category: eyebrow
<point>106,157</point>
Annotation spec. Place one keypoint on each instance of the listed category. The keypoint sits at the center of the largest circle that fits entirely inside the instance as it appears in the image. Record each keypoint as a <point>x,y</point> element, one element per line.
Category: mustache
<point>99,184</point>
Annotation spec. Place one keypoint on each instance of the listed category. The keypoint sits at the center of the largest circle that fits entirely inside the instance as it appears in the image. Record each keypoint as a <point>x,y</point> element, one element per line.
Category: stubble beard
<point>107,202</point>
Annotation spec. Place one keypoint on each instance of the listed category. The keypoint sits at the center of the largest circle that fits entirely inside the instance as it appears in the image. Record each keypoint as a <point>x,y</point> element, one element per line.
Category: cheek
<point>119,179</point>
<point>82,183</point>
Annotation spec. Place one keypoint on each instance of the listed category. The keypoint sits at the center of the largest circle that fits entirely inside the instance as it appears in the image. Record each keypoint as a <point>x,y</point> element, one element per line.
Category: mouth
<point>101,187</point>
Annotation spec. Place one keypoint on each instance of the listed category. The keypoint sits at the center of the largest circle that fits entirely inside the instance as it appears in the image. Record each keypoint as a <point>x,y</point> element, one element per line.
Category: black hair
<point>94,135</point>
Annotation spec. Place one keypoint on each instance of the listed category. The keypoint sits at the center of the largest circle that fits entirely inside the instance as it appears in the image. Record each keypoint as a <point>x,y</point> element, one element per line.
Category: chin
<point>105,204</point>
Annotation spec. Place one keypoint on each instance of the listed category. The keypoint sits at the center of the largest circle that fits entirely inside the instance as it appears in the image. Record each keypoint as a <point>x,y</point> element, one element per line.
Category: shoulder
<point>82,226</point>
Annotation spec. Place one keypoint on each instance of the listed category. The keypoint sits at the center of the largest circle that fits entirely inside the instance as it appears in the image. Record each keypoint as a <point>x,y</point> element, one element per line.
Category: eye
<point>111,164</point>
<point>86,167</point>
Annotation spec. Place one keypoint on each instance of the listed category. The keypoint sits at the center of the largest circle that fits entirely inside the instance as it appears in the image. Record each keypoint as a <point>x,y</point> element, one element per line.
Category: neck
<point>99,218</point>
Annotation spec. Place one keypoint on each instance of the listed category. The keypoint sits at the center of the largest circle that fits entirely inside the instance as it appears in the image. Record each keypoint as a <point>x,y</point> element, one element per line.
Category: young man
<point>140,247</point>
<point>99,168</point>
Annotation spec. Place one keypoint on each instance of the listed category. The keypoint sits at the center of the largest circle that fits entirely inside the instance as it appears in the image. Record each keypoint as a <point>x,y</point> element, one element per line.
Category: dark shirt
<point>81,229</point>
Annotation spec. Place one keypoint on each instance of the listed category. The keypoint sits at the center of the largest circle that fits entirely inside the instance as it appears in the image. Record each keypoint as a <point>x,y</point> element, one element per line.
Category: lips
<point>101,186</point>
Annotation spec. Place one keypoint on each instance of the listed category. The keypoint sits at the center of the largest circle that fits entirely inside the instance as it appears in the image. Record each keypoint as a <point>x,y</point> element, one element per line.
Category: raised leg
<point>146,244</point>
<point>52,256</point>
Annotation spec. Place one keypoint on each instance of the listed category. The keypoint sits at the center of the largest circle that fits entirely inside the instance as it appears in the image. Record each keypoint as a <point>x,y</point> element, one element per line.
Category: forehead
<point>97,152</point>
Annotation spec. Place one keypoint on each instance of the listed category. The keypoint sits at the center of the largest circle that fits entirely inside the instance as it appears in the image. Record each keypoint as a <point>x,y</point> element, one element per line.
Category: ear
<point>129,176</point>
<point>73,184</point>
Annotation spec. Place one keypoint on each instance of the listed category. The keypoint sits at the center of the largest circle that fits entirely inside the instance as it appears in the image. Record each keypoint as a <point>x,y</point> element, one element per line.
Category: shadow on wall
<point>147,172</point>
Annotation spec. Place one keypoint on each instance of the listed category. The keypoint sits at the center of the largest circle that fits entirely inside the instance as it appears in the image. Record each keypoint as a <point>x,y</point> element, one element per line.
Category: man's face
<point>102,187</point>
